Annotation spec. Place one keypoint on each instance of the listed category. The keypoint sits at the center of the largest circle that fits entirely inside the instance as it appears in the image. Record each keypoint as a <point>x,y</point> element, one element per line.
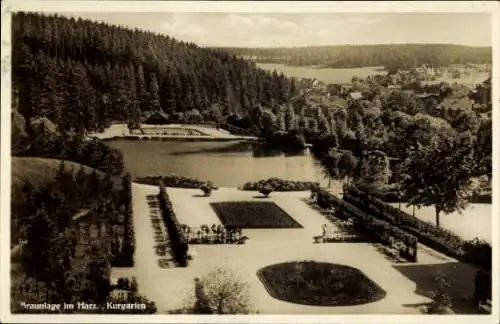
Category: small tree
<point>441,301</point>
<point>266,190</point>
<point>207,189</point>
<point>201,305</point>
<point>439,174</point>
<point>225,292</point>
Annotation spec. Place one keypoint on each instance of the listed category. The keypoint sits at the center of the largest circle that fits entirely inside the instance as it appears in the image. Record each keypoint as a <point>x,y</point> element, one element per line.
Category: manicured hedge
<point>369,226</point>
<point>125,257</point>
<point>436,238</point>
<point>175,181</point>
<point>281,185</point>
<point>178,241</point>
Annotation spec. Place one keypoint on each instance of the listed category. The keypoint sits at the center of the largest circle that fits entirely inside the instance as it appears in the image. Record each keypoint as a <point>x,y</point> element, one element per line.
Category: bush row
<point>371,227</point>
<point>175,182</point>
<point>178,241</point>
<point>215,234</point>
<point>281,185</point>
<point>126,256</point>
<point>436,238</point>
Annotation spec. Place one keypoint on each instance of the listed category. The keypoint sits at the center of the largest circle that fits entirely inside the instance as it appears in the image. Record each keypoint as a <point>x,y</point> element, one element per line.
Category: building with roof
<point>157,118</point>
<point>355,95</point>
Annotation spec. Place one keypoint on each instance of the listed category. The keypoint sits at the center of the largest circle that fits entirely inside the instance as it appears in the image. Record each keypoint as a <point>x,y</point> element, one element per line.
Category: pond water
<point>227,164</point>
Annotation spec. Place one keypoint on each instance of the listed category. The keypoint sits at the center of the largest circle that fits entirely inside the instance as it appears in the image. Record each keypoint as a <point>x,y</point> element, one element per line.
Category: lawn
<point>319,284</point>
<point>40,171</point>
<point>475,220</point>
<point>247,214</point>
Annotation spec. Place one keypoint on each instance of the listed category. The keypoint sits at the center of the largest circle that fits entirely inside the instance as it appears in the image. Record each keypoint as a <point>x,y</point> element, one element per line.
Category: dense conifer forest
<point>392,56</point>
<point>83,75</point>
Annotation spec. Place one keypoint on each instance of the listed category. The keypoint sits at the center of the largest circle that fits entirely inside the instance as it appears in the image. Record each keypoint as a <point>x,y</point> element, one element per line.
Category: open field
<point>327,75</point>
<point>170,288</point>
<point>475,221</point>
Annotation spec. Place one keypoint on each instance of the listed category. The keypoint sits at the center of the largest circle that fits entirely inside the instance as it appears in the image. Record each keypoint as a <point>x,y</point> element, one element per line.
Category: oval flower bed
<point>319,284</point>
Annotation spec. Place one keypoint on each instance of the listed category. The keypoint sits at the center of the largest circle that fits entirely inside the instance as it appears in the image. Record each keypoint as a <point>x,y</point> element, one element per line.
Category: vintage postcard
<point>244,162</point>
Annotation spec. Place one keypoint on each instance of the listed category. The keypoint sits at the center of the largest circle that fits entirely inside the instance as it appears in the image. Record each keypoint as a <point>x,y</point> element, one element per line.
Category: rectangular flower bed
<point>246,214</point>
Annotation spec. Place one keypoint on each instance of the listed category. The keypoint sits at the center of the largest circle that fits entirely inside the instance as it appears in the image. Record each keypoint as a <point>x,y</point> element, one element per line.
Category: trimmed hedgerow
<point>175,181</point>
<point>442,240</point>
<point>280,185</point>
<point>371,227</point>
<point>178,240</point>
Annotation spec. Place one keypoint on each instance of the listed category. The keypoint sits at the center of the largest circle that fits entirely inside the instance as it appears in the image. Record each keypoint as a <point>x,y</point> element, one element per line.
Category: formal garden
<point>302,278</point>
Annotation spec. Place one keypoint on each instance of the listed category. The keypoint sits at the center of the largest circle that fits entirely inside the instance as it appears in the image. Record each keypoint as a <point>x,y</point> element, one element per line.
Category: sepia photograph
<point>255,160</point>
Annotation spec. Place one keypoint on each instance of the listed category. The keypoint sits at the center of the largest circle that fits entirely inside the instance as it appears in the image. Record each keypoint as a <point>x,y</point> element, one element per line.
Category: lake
<point>327,75</point>
<point>226,164</point>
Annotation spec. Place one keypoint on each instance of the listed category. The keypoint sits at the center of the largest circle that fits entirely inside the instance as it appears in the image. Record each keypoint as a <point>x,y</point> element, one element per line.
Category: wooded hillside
<point>83,75</point>
<point>392,56</point>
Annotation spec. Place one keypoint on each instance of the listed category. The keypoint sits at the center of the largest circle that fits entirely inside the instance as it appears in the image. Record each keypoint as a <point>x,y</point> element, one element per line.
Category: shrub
<point>266,190</point>
<point>482,286</point>
<point>441,301</point>
<point>226,292</point>
<point>281,185</point>
<point>207,190</point>
<point>175,181</point>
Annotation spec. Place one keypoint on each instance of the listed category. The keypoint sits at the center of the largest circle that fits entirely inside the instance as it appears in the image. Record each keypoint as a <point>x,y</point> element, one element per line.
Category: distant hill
<point>391,56</point>
<point>40,171</point>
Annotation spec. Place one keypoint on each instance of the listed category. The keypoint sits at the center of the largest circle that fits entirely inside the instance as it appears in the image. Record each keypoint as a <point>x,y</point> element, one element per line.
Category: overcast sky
<point>302,29</point>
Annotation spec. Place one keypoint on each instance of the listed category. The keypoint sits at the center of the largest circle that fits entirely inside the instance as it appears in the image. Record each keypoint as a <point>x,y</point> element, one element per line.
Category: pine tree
<point>142,93</point>
<point>154,95</point>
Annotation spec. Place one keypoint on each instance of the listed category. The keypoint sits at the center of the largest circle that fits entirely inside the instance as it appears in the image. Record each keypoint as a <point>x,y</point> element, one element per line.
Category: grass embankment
<point>40,171</point>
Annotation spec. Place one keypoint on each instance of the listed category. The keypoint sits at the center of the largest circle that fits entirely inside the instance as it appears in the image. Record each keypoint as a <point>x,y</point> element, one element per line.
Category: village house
<point>157,118</point>
<point>355,95</point>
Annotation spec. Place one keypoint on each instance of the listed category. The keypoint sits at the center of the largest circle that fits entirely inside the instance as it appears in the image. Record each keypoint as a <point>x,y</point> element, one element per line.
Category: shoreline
<point>181,138</point>
<point>203,133</point>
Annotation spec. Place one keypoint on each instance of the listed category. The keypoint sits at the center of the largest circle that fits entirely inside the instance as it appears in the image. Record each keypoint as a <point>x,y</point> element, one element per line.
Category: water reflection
<point>224,163</point>
<point>232,147</point>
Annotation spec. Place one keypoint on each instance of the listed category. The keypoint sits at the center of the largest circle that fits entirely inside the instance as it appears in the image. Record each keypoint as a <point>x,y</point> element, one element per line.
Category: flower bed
<point>436,238</point>
<point>214,234</point>
<point>280,185</point>
<point>371,227</point>
<point>175,181</point>
<point>249,214</point>
<point>178,241</point>
<point>319,284</point>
